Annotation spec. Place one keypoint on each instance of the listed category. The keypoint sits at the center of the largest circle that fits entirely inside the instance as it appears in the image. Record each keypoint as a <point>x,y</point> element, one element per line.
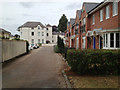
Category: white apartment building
<point>36,32</point>
<point>55,35</point>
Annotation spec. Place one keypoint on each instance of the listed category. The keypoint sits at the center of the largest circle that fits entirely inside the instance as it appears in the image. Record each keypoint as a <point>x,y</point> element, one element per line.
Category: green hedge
<point>97,62</point>
<point>56,49</point>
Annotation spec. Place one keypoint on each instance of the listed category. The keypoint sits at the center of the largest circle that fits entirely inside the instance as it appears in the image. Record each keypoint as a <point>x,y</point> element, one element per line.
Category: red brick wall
<point>77,35</point>
<point>110,23</point>
<point>119,14</point>
<point>84,15</point>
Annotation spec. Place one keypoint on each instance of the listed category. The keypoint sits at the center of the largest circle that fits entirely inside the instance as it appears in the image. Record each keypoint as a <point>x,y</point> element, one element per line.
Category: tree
<point>17,36</point>
<point>58,41</point>
<point>62,26</point>
<point>60,44</point>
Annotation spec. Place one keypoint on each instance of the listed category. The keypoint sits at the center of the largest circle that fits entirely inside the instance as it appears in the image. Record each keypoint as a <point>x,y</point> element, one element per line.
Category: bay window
<point>117,40</point>
<point>111,41</point>
<point>106,40</point>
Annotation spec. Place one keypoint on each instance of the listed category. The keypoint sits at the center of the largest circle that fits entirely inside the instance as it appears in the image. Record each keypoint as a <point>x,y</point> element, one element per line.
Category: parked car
<point>38,46</point>
<point>30,47</point>
<point>35,46</point>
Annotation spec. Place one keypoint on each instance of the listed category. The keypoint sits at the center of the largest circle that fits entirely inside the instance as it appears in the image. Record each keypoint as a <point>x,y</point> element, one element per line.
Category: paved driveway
<point>39,69</point>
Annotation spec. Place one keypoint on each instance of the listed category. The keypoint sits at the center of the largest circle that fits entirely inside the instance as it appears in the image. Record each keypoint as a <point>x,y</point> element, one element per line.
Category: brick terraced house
<point>96,26</point>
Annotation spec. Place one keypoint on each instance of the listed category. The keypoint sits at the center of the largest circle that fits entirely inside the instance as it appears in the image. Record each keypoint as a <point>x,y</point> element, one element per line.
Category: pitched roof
<point>89,6</point>
<point>48,25</point>
<point>72,21</point>
<point>32,24</point>
<point>79,13</point>
<point>96,7</point>
<point>58,33</point>
<point>3,30</point>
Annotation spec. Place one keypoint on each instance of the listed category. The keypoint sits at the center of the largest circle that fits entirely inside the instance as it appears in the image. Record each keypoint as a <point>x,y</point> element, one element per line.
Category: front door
<point>94,43</point>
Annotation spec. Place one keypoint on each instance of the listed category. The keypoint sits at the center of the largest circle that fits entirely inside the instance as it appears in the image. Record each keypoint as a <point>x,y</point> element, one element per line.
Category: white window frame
<point>42,33</point>
<point>104,42</point>
<point>115,8</point>
<point>70,43</point>
<point>42,40</point>
<point>93,19</point>
<point>38,33</point>
<point>84,21</point>
<point>119,40</point>
<point>107,12</point>
<point>101,15</point>
<point>77,43</point>
<point>32,41</point>
<point>83,42</point>
<point>38,40</point>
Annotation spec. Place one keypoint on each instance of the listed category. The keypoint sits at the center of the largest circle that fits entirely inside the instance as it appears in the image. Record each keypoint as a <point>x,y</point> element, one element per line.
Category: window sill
<point>115,15</point>
<point>107,17</point>
<point>110,48</point>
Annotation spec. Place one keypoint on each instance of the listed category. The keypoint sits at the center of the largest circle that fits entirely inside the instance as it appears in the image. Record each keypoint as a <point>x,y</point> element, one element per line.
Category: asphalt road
<point>39,69</point>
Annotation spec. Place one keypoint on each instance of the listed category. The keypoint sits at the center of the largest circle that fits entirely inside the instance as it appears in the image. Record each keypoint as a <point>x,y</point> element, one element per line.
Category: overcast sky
<point>15,13</point>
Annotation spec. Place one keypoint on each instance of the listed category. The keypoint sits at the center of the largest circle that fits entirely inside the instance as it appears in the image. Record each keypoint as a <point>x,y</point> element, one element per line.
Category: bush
<point>39,44</point>
<point>16,39</point>
<point>60,44</point>
<point>56,49</point>
<point>97,62</point>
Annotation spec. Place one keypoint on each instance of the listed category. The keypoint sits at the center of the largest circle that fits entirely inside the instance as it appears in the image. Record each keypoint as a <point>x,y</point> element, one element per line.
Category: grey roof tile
<point>72,21</point>
<point>48,25</point>
<point>89,6</point>
<point>3,30</point>
<point>79,13</point>
<point>32,24</point>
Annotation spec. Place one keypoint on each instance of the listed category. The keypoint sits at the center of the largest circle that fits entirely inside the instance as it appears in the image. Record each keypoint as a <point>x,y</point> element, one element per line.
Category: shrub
<point>97,62</point>
<point>16,39</point>
<point>56,49</point>
<point>39,44</point>
<point>60,44</point>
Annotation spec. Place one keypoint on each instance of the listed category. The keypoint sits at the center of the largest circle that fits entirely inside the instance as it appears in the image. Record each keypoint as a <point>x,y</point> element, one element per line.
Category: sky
<point>15,13</point>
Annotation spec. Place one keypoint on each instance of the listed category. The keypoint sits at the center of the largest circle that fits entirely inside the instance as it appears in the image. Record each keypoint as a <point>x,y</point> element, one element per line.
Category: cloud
<point>74,5</point>
<point>27,4</point>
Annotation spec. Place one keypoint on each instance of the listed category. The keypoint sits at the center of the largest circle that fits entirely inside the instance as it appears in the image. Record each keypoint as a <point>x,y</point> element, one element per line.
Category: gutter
<point>97,7</point>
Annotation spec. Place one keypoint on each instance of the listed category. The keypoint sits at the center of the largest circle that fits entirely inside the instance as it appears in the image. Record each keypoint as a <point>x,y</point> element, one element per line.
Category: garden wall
<point>11,48</point>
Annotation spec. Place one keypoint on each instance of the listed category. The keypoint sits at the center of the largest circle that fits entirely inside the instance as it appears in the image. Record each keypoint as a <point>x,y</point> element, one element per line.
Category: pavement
<point>41,68</point>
